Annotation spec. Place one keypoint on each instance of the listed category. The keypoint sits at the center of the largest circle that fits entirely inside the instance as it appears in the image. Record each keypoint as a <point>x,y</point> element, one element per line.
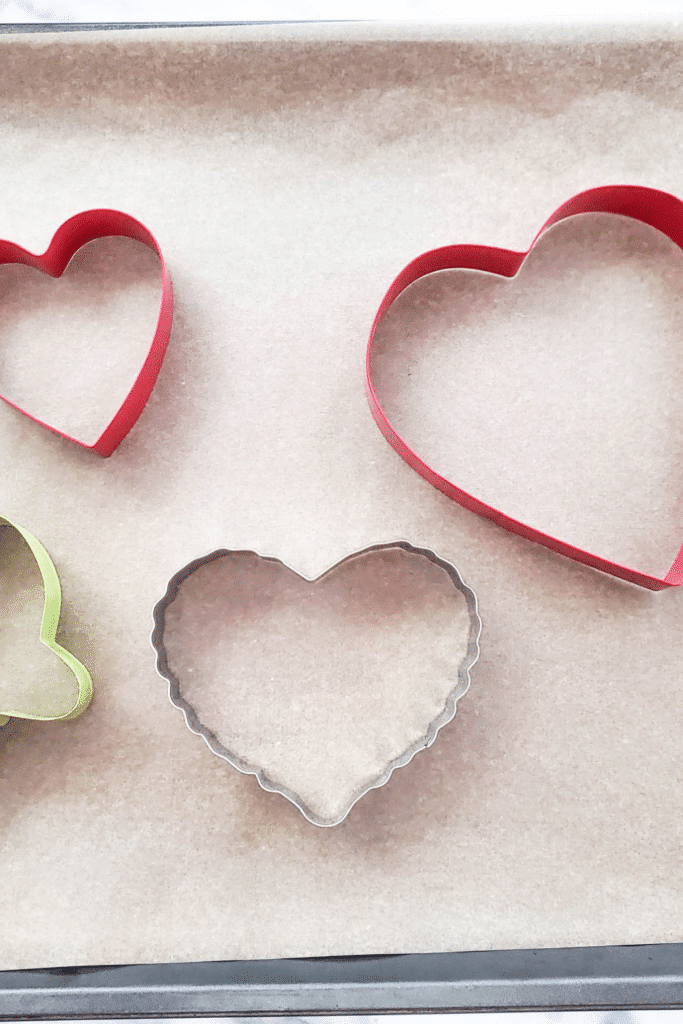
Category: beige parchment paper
<point>289,173</point>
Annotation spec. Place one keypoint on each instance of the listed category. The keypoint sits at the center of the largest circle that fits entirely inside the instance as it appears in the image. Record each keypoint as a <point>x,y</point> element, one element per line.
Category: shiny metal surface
<point>604,977</point>
<point>459,689</point>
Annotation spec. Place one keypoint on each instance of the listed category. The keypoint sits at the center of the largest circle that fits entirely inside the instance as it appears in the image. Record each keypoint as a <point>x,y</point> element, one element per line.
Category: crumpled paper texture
<point>289,173</point>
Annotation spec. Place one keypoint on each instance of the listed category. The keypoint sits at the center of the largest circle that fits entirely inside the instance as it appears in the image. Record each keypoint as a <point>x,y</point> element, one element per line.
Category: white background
<point>276,10</point>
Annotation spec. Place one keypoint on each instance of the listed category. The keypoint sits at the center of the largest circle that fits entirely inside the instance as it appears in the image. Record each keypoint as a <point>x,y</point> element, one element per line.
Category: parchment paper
<point>289,173</point>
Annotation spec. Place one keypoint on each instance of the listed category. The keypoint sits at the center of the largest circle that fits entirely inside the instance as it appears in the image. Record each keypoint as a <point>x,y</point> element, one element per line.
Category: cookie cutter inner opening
<point>320,687</point>
<point>104,309</point>
<point>551,395</point>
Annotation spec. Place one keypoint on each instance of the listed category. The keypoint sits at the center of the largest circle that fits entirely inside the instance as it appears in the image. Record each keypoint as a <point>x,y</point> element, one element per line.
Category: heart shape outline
<point>71,236</point>
<point>660,210</point>
<point>49,625</point>
<point>193,723</point>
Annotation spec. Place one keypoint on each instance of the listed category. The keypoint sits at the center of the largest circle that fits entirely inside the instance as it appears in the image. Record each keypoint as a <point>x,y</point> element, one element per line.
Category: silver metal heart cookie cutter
<point>459,689</point>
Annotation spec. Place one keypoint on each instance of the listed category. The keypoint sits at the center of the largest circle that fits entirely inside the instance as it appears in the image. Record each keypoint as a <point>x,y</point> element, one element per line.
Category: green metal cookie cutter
<point>48,632</point>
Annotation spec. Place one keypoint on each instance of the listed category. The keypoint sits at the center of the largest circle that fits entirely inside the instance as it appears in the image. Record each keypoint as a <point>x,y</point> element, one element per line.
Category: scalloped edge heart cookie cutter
<point>193,723</point>
<point>73,234</point>
<point>660,210</point>
<point>49,625</point>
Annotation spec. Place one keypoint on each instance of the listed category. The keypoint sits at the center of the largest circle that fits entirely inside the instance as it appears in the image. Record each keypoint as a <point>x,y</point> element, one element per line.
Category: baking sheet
<point>288,174</point>
<point>634,977</point>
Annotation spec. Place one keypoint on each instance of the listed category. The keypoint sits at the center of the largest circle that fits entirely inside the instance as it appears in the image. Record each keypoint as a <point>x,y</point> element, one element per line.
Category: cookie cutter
<point>48,632</point>
<point>460,687</point>
<point>68,239</point>
<point>650,206</point>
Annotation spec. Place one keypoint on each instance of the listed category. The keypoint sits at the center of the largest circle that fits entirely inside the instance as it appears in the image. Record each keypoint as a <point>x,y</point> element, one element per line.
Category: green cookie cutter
<point>48,631</point>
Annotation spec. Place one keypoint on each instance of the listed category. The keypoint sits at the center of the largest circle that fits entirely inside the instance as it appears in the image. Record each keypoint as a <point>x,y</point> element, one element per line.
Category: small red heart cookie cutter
<point>658,209</point>
<point>68,239</point>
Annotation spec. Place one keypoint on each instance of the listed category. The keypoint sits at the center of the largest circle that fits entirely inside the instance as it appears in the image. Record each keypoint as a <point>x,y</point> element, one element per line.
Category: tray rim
<point>582,978</point>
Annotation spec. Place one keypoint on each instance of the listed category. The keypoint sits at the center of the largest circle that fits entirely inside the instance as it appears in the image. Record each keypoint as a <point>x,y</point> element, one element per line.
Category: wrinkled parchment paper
<point>289,173</point>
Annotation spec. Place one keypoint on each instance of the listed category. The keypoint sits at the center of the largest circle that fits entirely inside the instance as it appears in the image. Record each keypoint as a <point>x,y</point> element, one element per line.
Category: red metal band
<point>68,239</point>
<point>658,209</point>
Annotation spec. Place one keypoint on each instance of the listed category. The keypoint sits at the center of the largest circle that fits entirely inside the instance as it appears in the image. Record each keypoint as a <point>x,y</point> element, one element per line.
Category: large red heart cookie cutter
<point>68,239</point>
<point>658,209</point>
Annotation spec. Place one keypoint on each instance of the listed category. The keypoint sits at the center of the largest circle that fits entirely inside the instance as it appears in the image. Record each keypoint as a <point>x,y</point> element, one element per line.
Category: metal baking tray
<point>591,978</point>
<point>594,978</point>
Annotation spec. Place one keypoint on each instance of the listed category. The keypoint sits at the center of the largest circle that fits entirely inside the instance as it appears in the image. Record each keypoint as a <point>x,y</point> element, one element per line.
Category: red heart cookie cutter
<point>658,209</point>
<point>68,239</point>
